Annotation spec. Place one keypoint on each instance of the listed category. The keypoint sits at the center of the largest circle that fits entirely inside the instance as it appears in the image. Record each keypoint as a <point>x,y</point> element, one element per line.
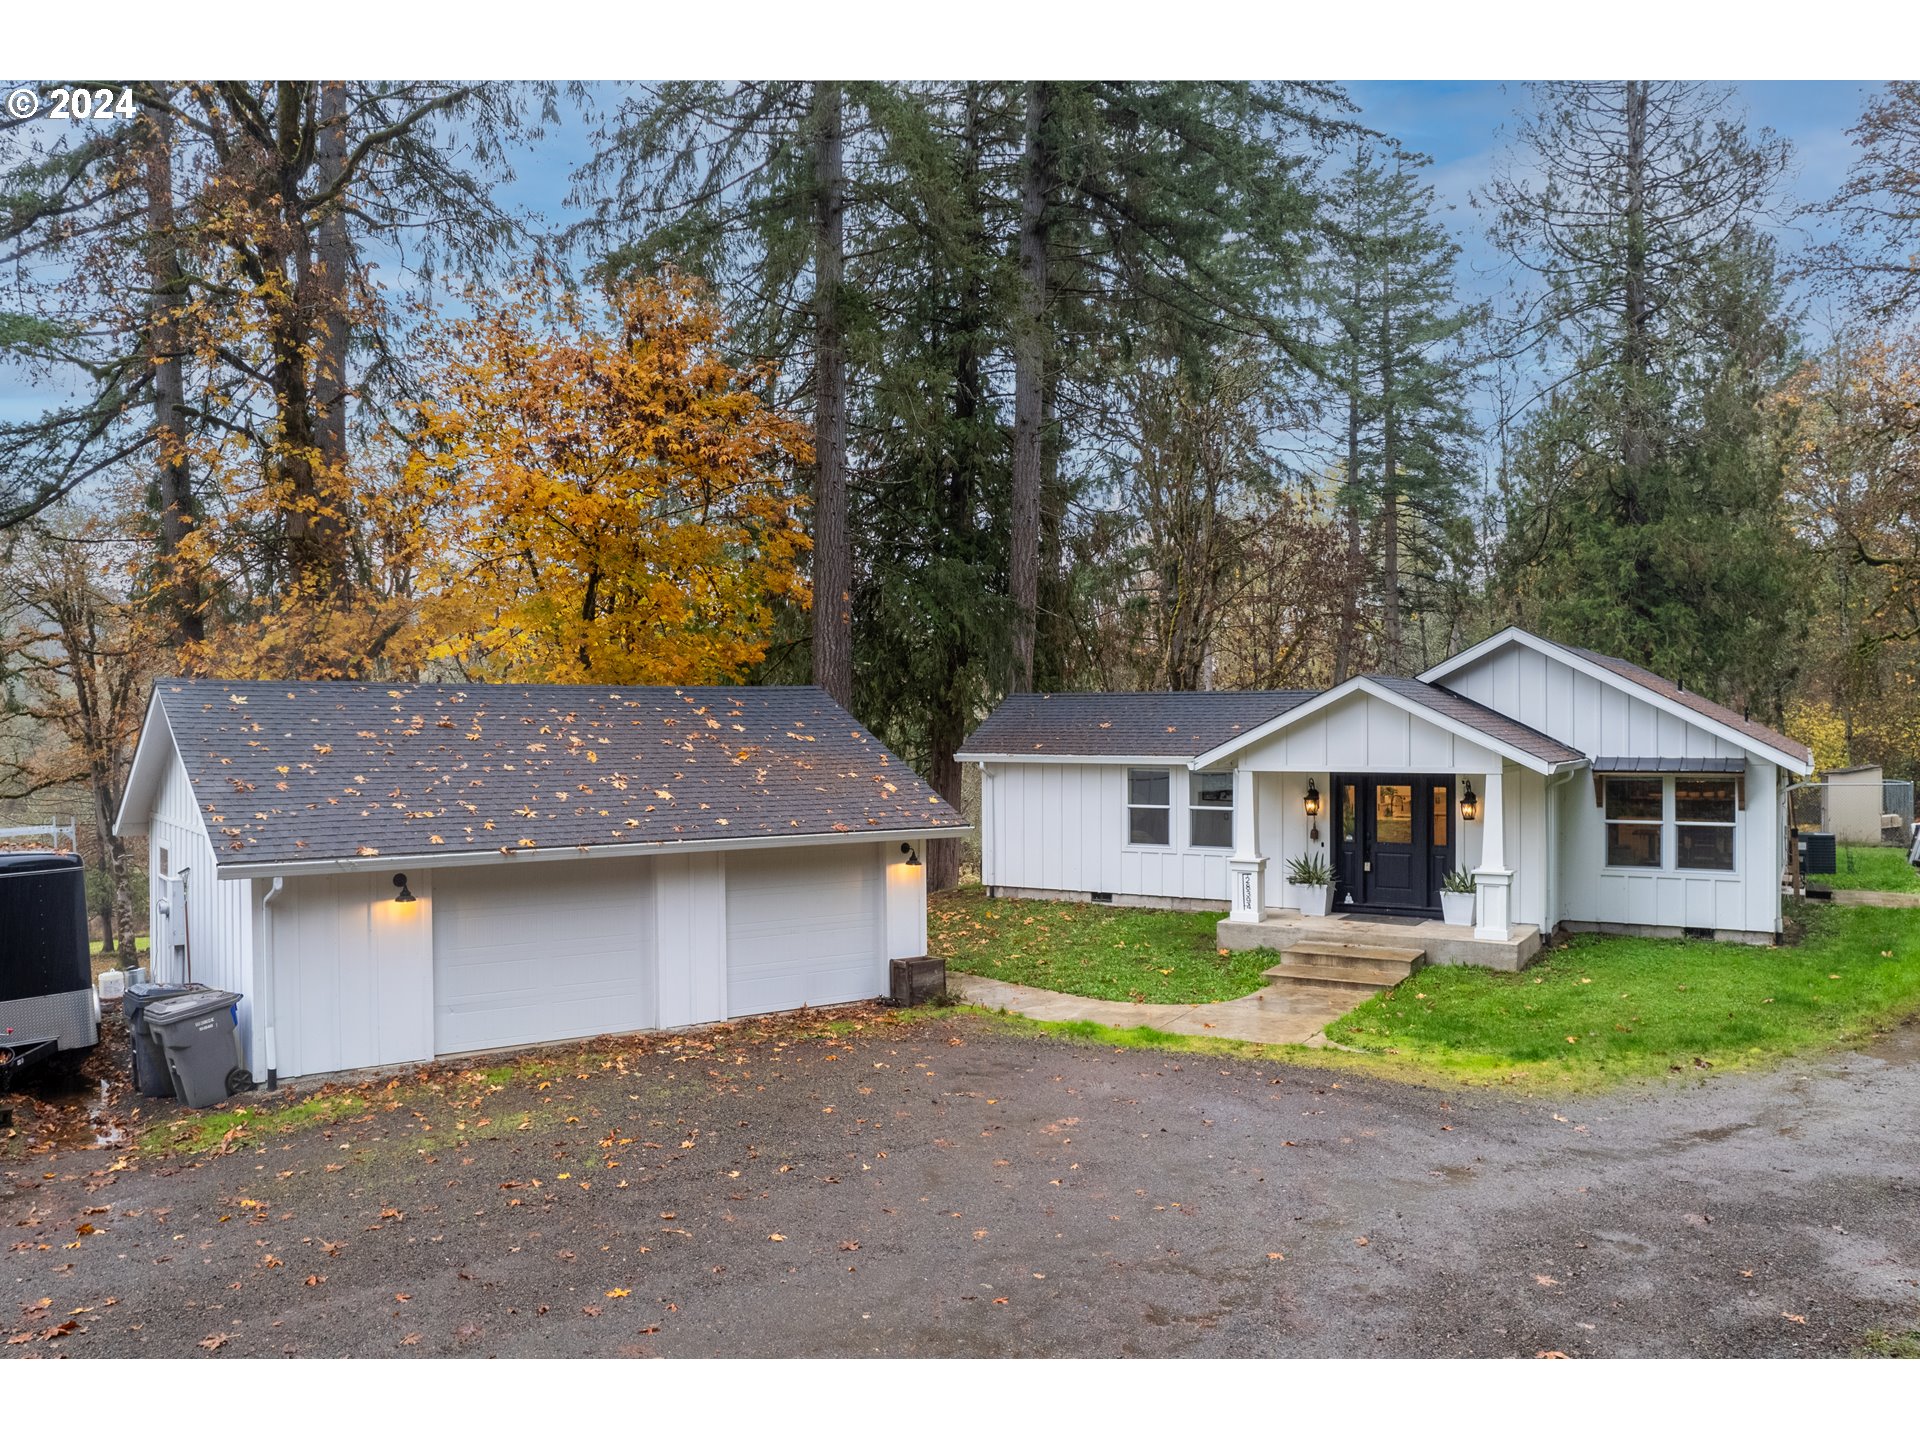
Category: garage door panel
<point>803,928</point>
<point>554,952</point>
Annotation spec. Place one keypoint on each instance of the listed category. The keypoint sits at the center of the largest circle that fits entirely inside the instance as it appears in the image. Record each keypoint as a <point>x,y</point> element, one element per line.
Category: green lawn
<point>1109,952</point>
<point>1606,1008</point>
<point>1872,867</point>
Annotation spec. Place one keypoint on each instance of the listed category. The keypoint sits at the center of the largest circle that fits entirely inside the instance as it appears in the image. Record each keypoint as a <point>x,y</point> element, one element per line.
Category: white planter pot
<point>1457,909</point>
<point>1312,900</point>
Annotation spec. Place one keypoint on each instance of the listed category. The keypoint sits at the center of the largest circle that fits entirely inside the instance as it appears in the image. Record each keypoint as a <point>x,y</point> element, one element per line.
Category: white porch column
<point>1246,870</point>
<point>1493,880</point>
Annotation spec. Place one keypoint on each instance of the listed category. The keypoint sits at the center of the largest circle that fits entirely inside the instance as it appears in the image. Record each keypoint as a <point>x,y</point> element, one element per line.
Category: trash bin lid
<point>186,1007</point>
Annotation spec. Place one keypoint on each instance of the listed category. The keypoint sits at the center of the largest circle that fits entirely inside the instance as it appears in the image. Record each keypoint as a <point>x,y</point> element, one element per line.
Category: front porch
<point>1443,944</point>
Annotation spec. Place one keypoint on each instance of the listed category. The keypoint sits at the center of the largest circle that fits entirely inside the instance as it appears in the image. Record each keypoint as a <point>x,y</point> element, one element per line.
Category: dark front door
<point>1394,838</point>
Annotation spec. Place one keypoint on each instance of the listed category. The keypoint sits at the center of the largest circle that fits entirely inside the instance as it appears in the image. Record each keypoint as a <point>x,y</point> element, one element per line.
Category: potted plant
<point>1456,897</point>
<point>1312,882</point>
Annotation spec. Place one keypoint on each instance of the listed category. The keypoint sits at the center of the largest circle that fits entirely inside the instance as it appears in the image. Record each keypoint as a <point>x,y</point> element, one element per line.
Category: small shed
<point>1851,802</point>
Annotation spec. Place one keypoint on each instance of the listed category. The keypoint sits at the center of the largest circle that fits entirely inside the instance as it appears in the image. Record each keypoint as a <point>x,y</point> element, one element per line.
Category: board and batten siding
<point>211,917</point>
<point>352,975</point>
<point>1064,827</point>
<point>354,980</point>
<point>1745,899</point>
<point>1599,718</point>
<point>1577,709</point>
<point>1364,734</point>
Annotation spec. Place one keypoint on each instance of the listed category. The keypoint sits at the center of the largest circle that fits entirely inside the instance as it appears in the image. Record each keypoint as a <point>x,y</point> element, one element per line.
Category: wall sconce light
<point>913,858</point>
<point>406,896</point>
<point>1469,803</point>
<point>1313,810</point>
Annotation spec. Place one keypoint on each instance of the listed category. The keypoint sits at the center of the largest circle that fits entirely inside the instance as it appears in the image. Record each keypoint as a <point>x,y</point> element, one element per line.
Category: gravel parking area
<point>951,1187</point>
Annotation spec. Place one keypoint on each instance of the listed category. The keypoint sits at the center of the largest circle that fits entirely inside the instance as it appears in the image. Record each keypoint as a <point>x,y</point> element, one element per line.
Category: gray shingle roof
<point>299,772</point>
<point>1488,722</point>
<point>1158,723</point>
<point>1699,704</point>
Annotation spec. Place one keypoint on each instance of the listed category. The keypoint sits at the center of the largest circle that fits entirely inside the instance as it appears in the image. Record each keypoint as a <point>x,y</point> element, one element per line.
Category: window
<point>1210,810</point>
<point>1442,803</point>
<point>166,867</point>
<point>1635,809</point>
<point>1347,817</point>
<point>1149,807</point>
<point>1393,814</point>
<point>1703,813</point>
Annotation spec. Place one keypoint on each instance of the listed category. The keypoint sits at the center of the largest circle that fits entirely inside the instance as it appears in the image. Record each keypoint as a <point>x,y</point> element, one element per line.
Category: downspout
<point>266,979</point>
<point>1554,841</point>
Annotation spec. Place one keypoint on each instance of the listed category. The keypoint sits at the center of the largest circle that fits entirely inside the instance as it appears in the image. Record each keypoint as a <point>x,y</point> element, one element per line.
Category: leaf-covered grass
<point>1602,1008</point>
<point>1872,867</point>
<point>1890,1345</point>
<point>246,1125</point>
<point>1107,952</point>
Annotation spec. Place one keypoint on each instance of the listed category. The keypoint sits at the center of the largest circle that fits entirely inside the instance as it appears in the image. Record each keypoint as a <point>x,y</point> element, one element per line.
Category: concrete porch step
<point>1355,980</point>
<point>1338,953</point>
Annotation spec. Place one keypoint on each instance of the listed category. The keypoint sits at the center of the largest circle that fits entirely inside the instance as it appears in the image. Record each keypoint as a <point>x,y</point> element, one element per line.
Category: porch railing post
<point>1493,881</point>
<point>1247,868</point>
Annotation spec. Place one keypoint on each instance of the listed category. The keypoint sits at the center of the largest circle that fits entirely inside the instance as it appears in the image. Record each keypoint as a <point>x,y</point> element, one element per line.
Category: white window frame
<point>1194,807</point>
<point>1732,826</point>
<point>1166,809</point>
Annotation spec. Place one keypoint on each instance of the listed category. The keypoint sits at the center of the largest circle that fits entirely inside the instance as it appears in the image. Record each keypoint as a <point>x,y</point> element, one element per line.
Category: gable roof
<point>1503,729</point>
<point>1171,725</point>
<point>1663,691</point>
<point>288,774</point>
<point>1455,713</point>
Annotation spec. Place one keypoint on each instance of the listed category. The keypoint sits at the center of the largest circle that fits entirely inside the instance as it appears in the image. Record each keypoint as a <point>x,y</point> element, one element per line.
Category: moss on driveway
<point>1107,952</point>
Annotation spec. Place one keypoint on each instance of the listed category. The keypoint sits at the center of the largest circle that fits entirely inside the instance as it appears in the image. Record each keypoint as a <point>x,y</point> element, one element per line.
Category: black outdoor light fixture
<point>1313,810</point>
<point>405,897</point>
<point>1469,803</point>
<point>907,850</point>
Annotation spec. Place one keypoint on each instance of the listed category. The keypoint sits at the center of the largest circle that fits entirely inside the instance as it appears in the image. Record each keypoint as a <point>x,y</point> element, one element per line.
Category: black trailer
<point>48,1008</point>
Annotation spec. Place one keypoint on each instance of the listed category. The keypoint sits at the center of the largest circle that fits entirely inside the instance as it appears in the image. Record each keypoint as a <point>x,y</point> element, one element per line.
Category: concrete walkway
<point>1885,899</point>
<point>1272,1016</point>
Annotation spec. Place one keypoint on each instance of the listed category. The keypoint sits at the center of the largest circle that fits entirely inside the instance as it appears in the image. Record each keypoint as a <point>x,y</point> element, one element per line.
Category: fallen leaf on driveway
<point>214,1342</point>
<point>618,1294</point>
<point>1549,1354</point>
<point>1797,1319</point>
<point>1275,1255</point>
<point>1545,1280</point>
<point>1359,1239</point>
<point>776,1237</point>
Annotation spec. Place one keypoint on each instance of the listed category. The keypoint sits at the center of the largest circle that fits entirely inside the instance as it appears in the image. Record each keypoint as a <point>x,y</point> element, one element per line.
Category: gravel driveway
<point>952,1188</point>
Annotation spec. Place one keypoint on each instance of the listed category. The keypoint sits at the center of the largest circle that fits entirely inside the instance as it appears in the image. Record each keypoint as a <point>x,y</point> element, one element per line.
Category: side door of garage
<point>805,926</point>
<point>556,950</point>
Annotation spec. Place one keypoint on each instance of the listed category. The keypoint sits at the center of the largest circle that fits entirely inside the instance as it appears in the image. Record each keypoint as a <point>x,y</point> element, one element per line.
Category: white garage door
<point>804,927</point>
<point>555,951</point>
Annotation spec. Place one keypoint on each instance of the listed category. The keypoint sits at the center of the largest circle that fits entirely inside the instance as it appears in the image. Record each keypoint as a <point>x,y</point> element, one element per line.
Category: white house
<point>391,873</point>
<point>1581,791</point>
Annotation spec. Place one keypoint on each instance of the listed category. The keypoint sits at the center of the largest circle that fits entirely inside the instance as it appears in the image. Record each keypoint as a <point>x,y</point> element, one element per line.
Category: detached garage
<point>390,874</point>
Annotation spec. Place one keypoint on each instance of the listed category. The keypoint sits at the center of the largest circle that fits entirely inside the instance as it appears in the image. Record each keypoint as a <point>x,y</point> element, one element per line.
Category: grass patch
<point>1107,952</point>
<point>1604,1008</point>
<point>1890,1345</point>
<point>142,943</point>
<point>246,1125</point>
<point>1872,867</point>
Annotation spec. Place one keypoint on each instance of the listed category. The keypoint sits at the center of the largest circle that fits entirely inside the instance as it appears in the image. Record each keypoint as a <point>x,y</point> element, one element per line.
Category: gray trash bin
<point>150,1075</point>
<point>202,1045</point>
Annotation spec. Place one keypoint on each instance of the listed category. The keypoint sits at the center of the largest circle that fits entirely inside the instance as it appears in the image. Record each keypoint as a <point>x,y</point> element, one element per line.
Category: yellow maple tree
<point>599,493</point>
